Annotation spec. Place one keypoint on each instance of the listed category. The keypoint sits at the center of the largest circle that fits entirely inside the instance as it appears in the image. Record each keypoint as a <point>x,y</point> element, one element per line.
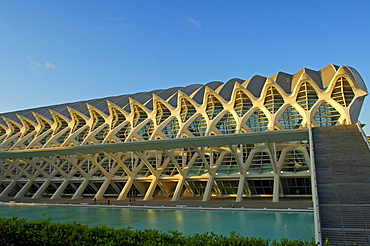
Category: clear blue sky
<point>54,52</point>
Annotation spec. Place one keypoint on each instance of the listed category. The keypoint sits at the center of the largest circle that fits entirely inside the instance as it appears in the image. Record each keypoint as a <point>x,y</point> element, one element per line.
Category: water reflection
<point>263,224</point>
<point>179,218</point>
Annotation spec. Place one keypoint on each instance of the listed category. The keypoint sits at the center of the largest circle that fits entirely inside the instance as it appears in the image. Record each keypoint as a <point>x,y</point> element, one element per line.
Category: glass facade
<point>198,115</point>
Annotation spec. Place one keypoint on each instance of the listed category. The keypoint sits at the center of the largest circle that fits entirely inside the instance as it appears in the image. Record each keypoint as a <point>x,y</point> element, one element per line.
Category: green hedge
<point>22,232</point>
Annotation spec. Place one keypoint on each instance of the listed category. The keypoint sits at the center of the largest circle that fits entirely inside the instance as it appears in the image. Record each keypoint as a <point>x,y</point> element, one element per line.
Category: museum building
<point>241,138</point>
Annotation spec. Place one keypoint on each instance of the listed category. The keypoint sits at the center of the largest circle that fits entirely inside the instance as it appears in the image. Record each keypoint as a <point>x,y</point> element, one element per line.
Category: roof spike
<point>327,74</point>
<point>9,121</point>
<point>40,117</point>
<point>22,119</point>
<point>3,127</point>
<point>340,71</point>
<point>237,85</point>
<point>89,106</point>
<point>56,114</point>
<point>113,105</point>
<point>181,94</point>
<point>109,103</point>
<point>207,90</point>
<point>133,101</point>
<point>73,111</point>
<point>270,81</point>
<point>164,102</point>
<point>304,76</point>
<point>11,126</point>
<point>92,108</point>
<point>155,97</point>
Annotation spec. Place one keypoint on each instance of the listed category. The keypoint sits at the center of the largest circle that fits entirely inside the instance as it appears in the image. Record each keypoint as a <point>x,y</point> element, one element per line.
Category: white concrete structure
<point>239,138</point>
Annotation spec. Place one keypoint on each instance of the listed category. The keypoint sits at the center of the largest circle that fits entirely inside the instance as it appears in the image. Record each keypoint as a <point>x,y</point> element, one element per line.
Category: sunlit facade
<point>235,139</point>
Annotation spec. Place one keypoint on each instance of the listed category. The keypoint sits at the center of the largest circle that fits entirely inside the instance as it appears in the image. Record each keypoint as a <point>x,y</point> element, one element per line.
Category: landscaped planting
<point>22,232</point>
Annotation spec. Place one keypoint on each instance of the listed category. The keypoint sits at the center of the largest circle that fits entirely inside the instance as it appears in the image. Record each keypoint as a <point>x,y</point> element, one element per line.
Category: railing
<point>363,134</point>
<point>315,198</point>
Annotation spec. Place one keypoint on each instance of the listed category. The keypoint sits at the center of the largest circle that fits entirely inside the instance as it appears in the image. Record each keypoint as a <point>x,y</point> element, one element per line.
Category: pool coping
<point>177,207</point>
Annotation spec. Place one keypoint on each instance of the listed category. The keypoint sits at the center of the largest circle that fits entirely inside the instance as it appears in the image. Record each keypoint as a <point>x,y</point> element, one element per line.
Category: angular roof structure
<point>240,139</point>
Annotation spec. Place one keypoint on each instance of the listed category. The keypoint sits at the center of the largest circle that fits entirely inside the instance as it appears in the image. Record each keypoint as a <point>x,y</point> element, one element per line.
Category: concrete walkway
<point>193,202</point>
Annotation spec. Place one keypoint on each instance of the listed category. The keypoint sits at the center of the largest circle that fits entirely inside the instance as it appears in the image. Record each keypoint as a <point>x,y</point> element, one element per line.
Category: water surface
<point>265,224</point>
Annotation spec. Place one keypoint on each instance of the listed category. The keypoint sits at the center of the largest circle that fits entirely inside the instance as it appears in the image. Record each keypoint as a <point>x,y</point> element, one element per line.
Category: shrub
<point>22,232</point>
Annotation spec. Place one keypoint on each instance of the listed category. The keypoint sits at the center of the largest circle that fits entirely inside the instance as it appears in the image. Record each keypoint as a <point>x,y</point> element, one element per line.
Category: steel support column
<point>151,189</point>
<point>180,184</point>
<point>207,192</point>
<point>41,190</point>
<point>8,189</point>
<point>24,189</point>
<point>123,194</point>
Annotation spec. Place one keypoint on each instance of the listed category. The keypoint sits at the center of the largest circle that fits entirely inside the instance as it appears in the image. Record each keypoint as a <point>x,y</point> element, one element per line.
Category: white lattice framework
<point>283,102</point>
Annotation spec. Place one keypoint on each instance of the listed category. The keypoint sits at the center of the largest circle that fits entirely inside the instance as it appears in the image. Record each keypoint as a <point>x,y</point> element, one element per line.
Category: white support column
<point>60,189</point>
<point>103,188</point>
<point>8,189</point>
<point>276,192</point>
<point>272,152</point>
<point>180,184</point>
<point>126,189</point>
<point>24,189</point>
<point>151,189</point>
<point>239,196</point>
<point>207,192</point>
<point>41,190</point>
<point>80,189</point>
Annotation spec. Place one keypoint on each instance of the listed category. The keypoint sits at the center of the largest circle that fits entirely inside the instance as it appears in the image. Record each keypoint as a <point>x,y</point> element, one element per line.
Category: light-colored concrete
<point>196,202</point>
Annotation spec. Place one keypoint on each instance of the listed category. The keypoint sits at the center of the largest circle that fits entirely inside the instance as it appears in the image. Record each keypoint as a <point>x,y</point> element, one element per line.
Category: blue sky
<point>56,52</point>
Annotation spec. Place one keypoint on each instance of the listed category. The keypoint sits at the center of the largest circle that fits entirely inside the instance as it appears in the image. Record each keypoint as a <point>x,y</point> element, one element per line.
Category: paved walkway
<point>196,202</point>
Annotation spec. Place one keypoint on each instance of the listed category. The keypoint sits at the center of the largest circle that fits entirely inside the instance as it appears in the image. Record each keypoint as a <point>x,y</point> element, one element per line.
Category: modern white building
<point>237,139</point>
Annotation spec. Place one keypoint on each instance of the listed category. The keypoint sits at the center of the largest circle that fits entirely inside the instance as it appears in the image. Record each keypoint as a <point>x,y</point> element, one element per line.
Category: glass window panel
<point>187,110</point>
<point>227,124</point>
<point>258,121</point>
<point>228,165</point>
<point>273,100</point>
<point>118,118</point>
<point>162,113</point>
<point>296,186</point>
<point>146,131</point>
<point>198,127</point>
<point>214,107</point>
<point>307,96</point>
<point>124,131</point>
<point>139,115</point>
<point>294,161</point>
<point>261,163</point>
<point>326,115</point>
<point>98,120</point>
<point>342,92</point>
<point>171,129</point>
<point>261,187</point>
<point>291,118</point>
<point>198,168</point>
<point>242,103</point>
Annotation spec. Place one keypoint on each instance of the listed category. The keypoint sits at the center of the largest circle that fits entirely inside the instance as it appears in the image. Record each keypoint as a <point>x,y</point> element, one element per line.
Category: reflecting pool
<point>265,224</point>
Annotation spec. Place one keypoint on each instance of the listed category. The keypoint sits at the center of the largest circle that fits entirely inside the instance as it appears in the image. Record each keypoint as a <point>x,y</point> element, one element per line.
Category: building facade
<point>237,139</point>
